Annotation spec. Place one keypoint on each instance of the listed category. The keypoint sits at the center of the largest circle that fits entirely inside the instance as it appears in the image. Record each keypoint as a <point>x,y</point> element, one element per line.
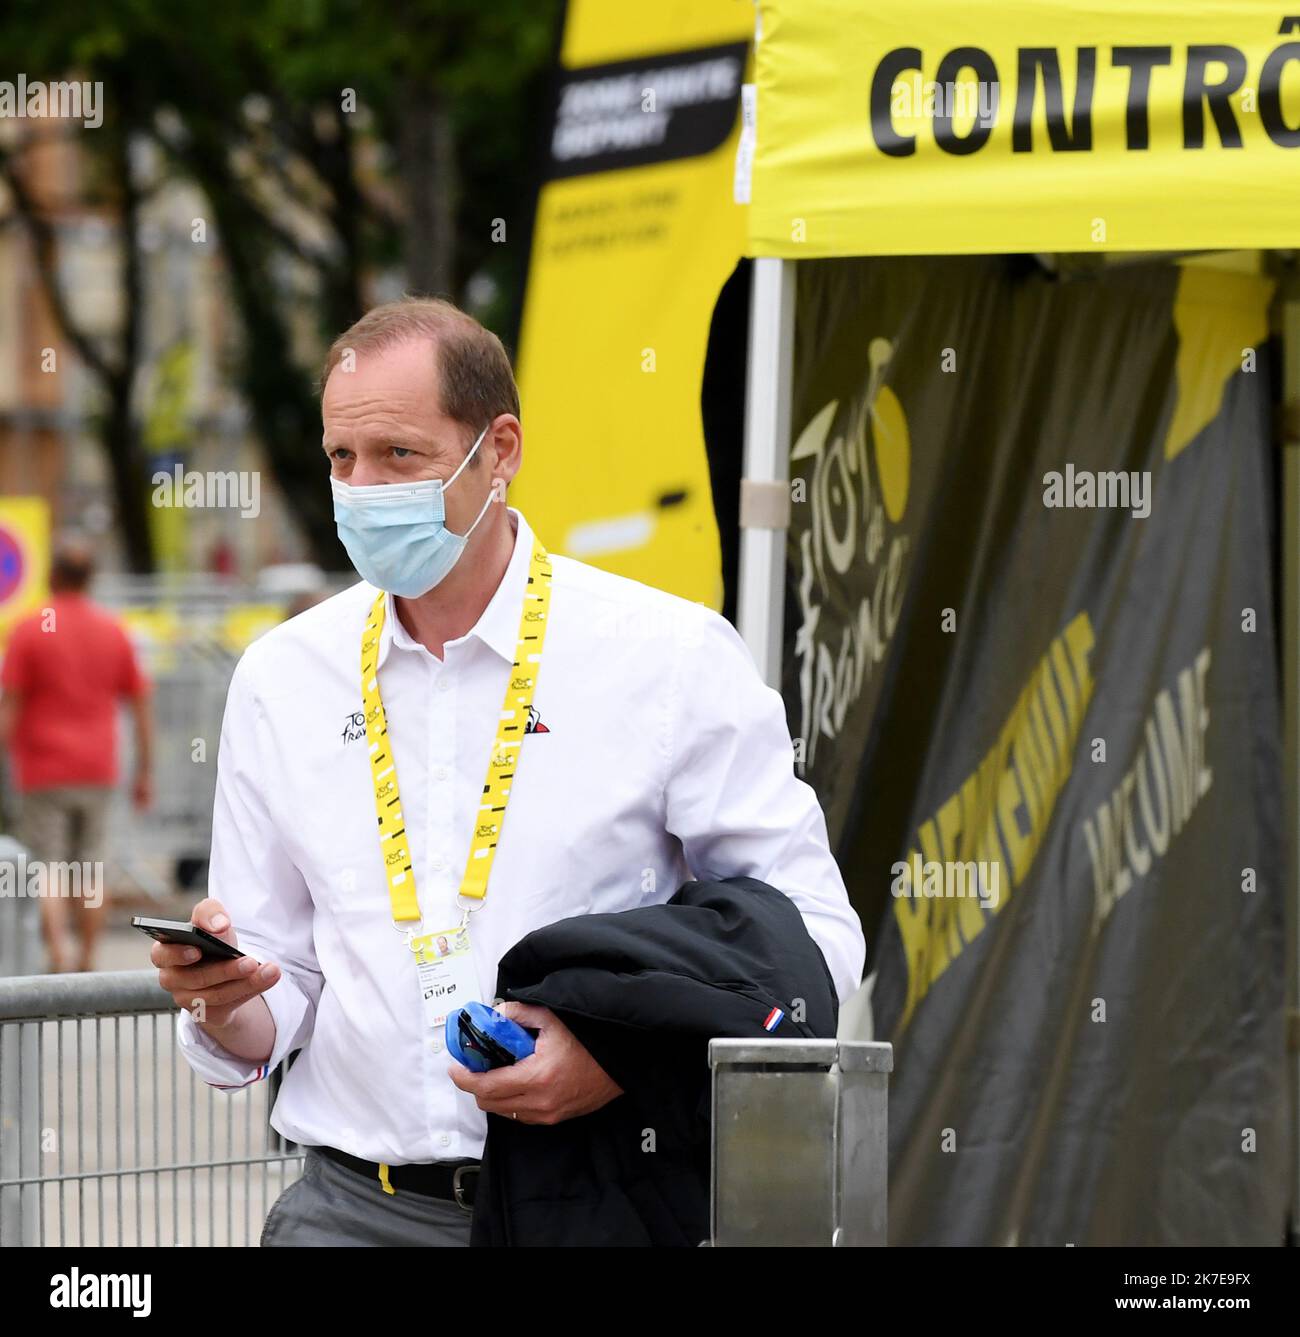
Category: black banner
<point>1032,671</point>
<point>630,113</point>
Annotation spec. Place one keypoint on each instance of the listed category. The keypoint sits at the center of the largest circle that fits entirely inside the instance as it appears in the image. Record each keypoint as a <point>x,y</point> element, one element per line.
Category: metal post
<point>21,953</point>
<point>765,497</point>
<point>800,1142</point>
<point>21,950</point>
<point>1289,310</point>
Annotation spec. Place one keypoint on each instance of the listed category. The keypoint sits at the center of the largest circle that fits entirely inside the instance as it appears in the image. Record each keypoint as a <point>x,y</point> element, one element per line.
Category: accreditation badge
<point>446,974</point>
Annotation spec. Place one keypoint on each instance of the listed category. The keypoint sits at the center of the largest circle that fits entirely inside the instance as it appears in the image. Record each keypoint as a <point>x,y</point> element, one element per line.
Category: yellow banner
<point>636,233</point>
<point>946,127</point>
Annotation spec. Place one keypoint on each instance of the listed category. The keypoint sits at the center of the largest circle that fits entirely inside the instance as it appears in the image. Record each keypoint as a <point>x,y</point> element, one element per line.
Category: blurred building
<point>187,410</point>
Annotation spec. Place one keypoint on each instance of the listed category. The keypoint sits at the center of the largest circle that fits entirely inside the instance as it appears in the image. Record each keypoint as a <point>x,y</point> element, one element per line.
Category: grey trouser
<point>333,1204</point>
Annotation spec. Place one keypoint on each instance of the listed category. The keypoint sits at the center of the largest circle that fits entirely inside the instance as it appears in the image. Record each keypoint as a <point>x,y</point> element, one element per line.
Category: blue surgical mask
<point>396,533</point>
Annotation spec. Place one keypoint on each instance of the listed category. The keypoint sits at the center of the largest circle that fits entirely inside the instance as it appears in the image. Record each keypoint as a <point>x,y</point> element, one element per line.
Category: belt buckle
<point>456,1188</point>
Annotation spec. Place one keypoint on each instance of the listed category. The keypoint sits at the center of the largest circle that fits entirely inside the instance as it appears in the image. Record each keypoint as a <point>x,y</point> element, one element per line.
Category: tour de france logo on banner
<point>857,480</point>
<point>24,558</point>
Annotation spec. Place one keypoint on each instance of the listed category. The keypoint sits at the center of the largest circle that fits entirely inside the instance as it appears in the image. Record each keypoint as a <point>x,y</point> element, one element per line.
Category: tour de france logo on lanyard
<point>444,965</point>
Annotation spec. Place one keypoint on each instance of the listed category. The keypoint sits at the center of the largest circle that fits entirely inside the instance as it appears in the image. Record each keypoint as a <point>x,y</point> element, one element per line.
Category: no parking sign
<point>24,558</point>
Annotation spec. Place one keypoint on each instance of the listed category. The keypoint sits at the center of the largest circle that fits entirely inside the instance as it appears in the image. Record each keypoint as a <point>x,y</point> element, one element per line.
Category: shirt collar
<point>498,624</point>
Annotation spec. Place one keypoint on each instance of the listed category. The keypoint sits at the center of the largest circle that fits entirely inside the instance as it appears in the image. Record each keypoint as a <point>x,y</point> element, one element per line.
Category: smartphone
<point>187,935</point>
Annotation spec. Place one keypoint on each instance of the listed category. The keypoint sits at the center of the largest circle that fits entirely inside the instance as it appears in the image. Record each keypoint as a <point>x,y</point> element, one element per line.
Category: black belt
<point>455,1181</point>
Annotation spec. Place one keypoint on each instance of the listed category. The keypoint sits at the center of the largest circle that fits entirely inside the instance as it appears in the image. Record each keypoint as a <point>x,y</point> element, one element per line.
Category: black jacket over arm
<point>645,990</point>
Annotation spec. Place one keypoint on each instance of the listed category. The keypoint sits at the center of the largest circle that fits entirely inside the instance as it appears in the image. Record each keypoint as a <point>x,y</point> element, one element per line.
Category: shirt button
<point>437,1046</point>
<point>444,684</point>
<point>441,772</point>
<point>437,865</point>
<point>444,1139</point>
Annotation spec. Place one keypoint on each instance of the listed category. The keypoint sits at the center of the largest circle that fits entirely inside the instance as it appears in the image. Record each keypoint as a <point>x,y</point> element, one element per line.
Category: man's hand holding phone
<point>221,987</point>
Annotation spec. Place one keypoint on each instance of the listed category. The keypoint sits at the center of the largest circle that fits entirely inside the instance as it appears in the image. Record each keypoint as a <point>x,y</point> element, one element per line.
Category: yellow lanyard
<point>393,842</point>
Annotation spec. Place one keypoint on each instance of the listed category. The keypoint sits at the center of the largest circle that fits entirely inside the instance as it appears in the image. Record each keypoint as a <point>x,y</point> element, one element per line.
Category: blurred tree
<point>336,142</point>
<point>112,363</point>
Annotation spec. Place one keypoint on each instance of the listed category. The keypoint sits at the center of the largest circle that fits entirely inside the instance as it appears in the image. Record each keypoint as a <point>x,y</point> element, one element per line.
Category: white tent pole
<point>765,488</point>
<point>1290,330</point>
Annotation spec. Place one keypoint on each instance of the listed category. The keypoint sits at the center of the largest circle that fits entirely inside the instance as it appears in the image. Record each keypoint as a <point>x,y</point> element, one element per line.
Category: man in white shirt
<point>647,750</point>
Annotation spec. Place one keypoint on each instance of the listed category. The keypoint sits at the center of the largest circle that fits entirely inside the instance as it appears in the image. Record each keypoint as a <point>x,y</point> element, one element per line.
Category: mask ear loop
<point>482,511</point>
<point>491,490</point>
<point>469,455</point>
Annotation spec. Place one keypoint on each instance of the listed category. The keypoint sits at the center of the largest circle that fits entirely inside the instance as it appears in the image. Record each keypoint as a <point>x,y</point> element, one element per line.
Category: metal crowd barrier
<point>108,1138</point>
<point>147,850</point>
<point>106,1135</point>
<point>190,631</point>
<point>800,1142</point>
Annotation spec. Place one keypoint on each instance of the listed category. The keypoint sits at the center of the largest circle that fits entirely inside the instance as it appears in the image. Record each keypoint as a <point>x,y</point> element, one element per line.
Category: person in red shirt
<point>65,670</point>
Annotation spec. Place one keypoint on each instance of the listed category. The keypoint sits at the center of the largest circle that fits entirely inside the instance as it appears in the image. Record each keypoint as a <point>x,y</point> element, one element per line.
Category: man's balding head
<point>72,565</point>
<point>474,378</point>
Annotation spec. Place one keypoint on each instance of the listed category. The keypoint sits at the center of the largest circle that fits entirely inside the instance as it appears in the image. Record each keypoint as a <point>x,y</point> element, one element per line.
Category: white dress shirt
<point>658,755</point>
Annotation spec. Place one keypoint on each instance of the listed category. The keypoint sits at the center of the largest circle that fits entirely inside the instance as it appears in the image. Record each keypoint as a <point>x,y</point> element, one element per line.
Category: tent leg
<point>1291,724</point>
<point>760,605</point>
